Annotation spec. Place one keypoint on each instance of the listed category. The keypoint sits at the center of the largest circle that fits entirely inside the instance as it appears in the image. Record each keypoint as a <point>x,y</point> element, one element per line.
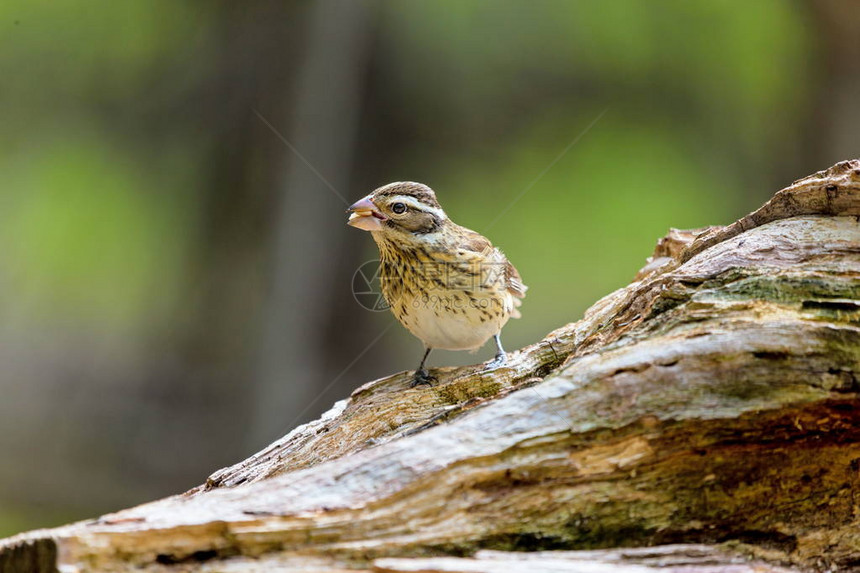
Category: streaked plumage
<point>446,284</point>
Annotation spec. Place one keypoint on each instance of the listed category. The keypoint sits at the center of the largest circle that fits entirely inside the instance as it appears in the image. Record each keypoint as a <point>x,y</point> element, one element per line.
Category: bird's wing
<point>477,243</point>
<point>515,283</point>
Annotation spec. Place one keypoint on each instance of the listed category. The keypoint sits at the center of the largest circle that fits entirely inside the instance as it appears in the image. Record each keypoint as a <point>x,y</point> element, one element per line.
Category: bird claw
<point>422,377</point>
<point>499,360</point>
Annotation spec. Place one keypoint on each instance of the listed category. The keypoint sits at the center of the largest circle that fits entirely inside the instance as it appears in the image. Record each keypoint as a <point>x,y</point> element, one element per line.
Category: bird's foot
<point>500,360</point>
<point>422,377</point>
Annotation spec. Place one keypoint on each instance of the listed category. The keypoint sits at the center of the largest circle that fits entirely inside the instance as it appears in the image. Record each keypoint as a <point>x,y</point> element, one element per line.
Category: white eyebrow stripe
<point>419,206</point>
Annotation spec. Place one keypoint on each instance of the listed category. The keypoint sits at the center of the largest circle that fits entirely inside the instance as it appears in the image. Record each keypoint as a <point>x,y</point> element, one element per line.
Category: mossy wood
<point>711,401</point>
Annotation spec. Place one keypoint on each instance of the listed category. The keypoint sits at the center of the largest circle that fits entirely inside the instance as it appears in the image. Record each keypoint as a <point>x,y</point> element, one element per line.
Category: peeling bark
<point>711,401</point>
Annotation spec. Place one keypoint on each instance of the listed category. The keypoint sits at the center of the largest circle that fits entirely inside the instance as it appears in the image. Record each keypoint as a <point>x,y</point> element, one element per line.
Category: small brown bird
<point>446,284</point>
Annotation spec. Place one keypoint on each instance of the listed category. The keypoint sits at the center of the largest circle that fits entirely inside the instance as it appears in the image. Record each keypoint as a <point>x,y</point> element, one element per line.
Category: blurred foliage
<point>102,206</point>
<point>86,239</point>
<point>97,50</point>
<point>90,229</point>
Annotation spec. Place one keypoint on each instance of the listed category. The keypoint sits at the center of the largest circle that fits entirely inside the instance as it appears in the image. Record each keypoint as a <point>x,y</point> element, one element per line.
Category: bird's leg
<point>421,375</point>
<point>501,356</point>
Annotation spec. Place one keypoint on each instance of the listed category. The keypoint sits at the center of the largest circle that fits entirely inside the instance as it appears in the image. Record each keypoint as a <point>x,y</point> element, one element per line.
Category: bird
<point>448,285</point>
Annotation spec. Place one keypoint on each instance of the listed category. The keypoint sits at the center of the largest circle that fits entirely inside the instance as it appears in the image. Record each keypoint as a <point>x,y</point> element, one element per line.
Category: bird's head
<point>404,207</point>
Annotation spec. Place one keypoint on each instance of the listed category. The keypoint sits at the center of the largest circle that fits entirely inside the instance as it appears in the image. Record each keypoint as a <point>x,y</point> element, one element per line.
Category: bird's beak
<point>364,215</point>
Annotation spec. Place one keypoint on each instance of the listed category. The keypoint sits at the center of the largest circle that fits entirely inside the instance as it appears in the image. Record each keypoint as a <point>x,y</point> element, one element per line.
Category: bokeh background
<point>175,268</point>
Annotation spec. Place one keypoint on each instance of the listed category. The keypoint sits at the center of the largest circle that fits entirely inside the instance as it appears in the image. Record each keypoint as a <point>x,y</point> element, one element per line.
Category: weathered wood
<point>712,400</point>
<point>665,558</point>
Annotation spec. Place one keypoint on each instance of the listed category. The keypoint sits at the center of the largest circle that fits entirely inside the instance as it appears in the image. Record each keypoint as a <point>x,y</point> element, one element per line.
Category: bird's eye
<point>398,208</point>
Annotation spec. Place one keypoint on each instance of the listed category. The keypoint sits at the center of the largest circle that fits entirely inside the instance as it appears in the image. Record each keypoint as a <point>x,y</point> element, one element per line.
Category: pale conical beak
<point>364,215</point>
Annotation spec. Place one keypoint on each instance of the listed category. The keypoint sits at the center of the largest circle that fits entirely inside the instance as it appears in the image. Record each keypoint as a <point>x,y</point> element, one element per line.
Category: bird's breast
<point>451,313</point>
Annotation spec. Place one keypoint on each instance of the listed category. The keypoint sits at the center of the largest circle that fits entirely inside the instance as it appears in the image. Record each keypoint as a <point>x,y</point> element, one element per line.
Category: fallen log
<point>710,403</point>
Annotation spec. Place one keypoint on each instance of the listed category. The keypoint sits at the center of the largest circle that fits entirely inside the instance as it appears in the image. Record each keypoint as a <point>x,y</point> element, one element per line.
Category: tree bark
<point>710,403</point>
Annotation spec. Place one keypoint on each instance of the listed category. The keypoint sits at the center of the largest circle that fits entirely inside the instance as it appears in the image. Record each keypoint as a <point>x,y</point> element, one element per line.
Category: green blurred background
<point>175,269</point>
